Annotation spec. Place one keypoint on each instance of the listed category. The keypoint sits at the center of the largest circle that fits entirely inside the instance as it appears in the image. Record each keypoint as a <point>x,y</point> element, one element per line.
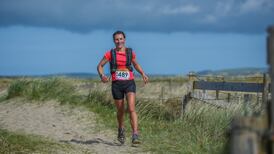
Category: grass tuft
<point>41,89</point>
<point>20,143</point>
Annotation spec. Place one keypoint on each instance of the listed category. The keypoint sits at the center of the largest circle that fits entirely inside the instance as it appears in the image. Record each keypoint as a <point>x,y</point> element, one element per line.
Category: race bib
<point>122,75</point>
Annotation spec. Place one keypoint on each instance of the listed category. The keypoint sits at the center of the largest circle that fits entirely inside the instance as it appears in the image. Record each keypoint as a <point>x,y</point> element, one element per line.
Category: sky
<point>169,37</point>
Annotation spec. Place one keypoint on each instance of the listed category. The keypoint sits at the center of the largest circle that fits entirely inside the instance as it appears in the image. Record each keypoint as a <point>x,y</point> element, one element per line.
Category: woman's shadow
<point>93,141</point>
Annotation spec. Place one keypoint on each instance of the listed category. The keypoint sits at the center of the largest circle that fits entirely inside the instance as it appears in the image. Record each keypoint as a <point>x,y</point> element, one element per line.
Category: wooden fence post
<point>228,97</point>
<point>191,79</point>
<point>162,94</point>
<point>191,76</point>
<point>185,100</point>
<point>265,92</point>
<point>270,61</point>
<point>249,133</point>
<point>246,104</point>
<point>244,136</point>
<point>217,94</point>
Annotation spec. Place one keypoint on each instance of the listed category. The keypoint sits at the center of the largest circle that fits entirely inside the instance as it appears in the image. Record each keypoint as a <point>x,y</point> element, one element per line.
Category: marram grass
<point>201,130</point>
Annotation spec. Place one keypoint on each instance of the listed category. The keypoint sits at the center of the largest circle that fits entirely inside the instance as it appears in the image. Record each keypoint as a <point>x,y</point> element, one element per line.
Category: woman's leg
<point>120,112</point>
<point>132,112</point>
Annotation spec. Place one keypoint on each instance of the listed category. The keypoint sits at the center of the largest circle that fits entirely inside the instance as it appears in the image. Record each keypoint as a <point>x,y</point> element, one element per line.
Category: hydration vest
<point>113,62</point>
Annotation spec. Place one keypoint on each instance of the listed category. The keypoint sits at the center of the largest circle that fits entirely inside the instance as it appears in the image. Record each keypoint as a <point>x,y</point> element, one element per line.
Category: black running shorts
<point>120,87</point>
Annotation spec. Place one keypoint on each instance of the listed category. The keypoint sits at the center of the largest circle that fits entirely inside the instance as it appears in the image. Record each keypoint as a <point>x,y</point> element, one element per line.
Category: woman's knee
<point>119,103</point>
<point>131,110</point>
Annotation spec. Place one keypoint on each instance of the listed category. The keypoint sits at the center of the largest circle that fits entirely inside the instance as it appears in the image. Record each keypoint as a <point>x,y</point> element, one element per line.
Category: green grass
<point>199,134</point>
<point>202,130</point>
<point>20,143</point>
<point>41,89</point>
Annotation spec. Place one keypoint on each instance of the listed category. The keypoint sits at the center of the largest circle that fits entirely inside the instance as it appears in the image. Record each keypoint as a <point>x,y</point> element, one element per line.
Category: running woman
<point>121,59</point>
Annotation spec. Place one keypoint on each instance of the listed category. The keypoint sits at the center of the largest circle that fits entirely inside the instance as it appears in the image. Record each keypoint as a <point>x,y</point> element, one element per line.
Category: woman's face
<point>119,41</point>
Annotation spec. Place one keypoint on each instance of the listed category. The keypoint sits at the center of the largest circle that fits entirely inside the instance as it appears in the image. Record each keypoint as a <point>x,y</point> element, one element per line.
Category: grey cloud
<point>255,5</point>
<point>185,9</point>
<point>247,16</point>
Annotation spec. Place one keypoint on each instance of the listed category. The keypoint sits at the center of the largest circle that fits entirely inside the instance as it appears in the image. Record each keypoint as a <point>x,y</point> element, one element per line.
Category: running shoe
<point>135,139</point>
<point>121,135</point>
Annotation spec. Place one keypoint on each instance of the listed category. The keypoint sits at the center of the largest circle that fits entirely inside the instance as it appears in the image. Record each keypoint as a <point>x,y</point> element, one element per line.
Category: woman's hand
<point>104,78</point>
<point>145,78</point>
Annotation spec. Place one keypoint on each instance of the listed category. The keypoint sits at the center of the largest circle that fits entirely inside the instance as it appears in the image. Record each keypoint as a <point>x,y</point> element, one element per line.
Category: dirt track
<point>75,126</point>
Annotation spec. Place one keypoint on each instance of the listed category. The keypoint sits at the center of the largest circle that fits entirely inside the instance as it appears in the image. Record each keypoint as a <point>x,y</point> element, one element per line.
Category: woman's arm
<point>140,70</point>
<point>100,70</point>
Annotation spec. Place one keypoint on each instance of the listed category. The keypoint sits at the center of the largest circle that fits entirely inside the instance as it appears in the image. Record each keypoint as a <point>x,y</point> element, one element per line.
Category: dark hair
<point>118,32</point>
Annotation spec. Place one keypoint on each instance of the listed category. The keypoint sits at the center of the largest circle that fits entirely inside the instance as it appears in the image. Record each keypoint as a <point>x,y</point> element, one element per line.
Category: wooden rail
<point>229,86</point>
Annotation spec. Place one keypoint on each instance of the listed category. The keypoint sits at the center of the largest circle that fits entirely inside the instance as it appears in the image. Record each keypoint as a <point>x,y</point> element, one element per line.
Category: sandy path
<point>75,126</point>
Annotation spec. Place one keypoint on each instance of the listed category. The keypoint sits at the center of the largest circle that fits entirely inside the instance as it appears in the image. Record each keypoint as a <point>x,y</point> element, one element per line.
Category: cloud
<point>185,9</point>
<point>255,5</point>
<point>221,10</point>
<point>247,16</point>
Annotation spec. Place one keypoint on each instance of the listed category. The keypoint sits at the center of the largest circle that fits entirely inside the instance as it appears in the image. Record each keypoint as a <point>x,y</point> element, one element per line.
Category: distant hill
<point>234,72</point>
<point>78,75</point>
<point>224,72</point>
<point>72,75</point>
